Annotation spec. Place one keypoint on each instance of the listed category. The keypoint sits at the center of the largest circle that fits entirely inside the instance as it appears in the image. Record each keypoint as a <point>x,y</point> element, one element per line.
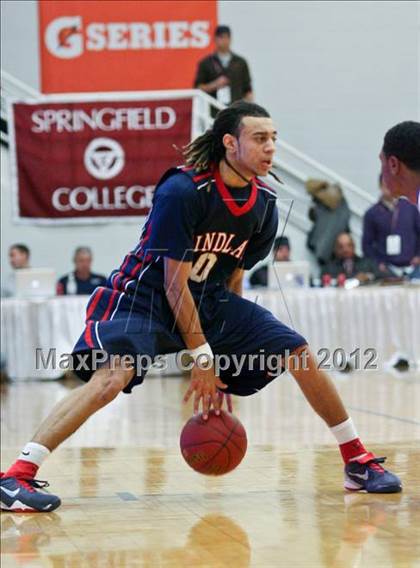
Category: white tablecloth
<point>27,325</point>
<point>384,319</point>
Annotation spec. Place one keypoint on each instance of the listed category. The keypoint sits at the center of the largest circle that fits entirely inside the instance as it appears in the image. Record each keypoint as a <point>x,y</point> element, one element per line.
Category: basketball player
<point>400,159</point>
<point>180,287</point>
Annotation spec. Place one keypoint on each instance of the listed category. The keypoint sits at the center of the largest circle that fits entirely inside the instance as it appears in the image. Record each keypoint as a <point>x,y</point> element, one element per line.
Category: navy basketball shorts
<point>246,338</point>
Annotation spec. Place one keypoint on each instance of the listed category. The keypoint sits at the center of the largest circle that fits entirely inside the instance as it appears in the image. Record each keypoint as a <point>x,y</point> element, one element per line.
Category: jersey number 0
<point>202,267</point>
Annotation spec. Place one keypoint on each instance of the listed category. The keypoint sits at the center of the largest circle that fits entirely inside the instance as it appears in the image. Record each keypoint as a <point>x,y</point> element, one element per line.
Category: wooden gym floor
<point>129,500</point>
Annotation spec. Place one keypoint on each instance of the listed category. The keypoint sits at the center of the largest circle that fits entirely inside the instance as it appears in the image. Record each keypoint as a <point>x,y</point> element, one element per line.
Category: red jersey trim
<point>95,301</point>
<point>228,199</point>
<point>202,176</point>
<point>88,334</point>
<point>110,305</point>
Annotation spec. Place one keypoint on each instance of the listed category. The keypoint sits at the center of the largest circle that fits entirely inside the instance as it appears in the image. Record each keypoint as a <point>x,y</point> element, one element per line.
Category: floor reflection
<point>215,540</point>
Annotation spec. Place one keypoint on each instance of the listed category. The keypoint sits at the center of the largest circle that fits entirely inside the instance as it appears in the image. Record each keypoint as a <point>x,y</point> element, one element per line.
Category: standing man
<point>391,233</point>
<point>181,287</point>
<point>82,280</point>
<point>223,74</point>
<point>400,159</point>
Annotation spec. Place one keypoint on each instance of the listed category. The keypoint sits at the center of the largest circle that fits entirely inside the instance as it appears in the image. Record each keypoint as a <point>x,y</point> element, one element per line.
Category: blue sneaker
<point>368,475</point>
<point>21,496</point>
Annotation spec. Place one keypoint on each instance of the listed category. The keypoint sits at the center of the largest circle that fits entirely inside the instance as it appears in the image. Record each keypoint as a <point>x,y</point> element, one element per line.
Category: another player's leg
<point>363,471</point>
<point>18,487</point>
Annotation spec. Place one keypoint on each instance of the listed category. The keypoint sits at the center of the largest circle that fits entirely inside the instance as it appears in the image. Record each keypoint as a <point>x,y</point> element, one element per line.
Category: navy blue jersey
<point>196,218</point>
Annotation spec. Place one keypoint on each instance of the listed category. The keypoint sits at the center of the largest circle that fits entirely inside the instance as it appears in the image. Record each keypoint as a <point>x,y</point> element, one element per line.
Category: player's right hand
<point>204,385</point>
<point>228,397</point>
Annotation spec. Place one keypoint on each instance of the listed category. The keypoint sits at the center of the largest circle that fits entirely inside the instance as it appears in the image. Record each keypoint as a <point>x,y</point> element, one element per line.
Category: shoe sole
<point>18,507</point>
<point>352,486</point>
<point>19,510</point>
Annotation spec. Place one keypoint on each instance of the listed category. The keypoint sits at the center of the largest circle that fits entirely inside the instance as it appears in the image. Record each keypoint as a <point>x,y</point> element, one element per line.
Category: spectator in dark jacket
<point>347,262</point>
<point>82,280</point>
<point>391,232</point>
<point>330,215</point>
<point>223,74</point>
<point>281,253</point>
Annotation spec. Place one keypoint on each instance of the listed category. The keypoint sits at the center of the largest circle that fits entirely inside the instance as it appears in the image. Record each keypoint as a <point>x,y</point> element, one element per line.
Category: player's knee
<point>108,384</point>
<point>111,389</point>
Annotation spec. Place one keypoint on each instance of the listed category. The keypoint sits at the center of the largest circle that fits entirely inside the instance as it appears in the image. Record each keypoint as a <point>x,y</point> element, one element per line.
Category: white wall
<point>335,76</point>
<point>19,40</point>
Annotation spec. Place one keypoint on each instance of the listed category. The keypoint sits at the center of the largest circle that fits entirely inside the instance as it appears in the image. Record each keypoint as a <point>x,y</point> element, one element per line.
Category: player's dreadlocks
<point>208,148</point>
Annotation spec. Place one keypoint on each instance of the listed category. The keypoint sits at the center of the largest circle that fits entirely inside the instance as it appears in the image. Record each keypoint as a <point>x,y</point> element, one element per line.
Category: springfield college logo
<point>95,158</point>
<point>104,158</point>
<point>67,37</point>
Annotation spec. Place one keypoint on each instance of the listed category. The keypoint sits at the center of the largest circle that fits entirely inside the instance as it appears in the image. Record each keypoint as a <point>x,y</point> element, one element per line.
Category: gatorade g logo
<point>63,37</point>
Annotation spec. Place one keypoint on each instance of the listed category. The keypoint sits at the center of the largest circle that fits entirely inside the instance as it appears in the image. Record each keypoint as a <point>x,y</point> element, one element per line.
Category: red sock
<point>22,469</point>
<point>352,449</point>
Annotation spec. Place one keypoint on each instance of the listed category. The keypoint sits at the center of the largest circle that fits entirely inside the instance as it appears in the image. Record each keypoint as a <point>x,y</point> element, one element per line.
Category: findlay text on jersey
<point>219,242</point>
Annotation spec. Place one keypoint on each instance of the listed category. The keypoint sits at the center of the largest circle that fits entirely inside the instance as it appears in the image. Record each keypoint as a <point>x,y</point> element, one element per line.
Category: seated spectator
<point>391,234</point>
<point>82,280</point>
<point>347,262</point>
<point>19,256</point>
<point>281,253</point>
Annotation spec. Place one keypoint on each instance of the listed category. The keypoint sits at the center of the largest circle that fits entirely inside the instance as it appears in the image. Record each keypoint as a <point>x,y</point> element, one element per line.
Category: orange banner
<point>120,45</point>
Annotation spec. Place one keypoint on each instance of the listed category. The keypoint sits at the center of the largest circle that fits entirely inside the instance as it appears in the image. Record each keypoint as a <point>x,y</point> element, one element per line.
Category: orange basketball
<point>214,446</point>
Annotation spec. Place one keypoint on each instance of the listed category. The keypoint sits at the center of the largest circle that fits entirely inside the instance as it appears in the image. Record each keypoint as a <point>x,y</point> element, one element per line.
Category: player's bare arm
<point>235,283</point>
<point>182,303</point>
<point>204,383</point>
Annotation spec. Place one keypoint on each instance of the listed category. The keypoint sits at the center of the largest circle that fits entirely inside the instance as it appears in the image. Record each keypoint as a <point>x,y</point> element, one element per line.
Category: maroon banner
<point>79,161</point>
